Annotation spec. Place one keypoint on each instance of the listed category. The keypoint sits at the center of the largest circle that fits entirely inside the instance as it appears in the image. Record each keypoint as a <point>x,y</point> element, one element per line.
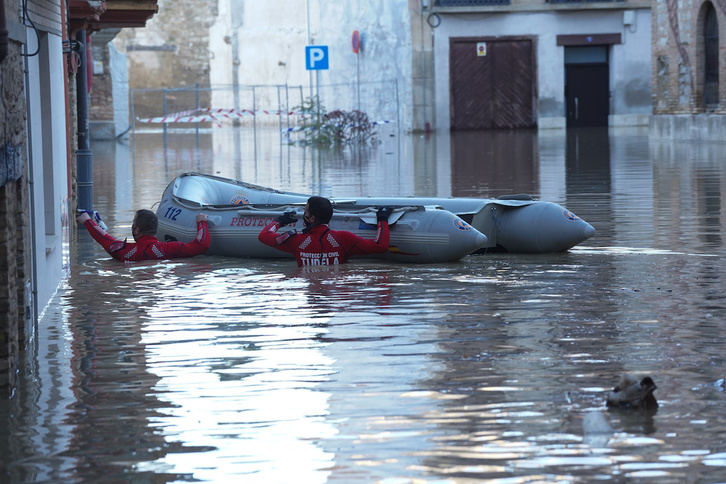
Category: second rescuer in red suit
<point>318,244</point>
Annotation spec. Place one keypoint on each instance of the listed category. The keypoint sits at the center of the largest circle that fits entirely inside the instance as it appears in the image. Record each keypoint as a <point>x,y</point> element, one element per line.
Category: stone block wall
<point>14,228</point>
<point>101,108</point>
<point>172,50</point>
<point>101,97</point>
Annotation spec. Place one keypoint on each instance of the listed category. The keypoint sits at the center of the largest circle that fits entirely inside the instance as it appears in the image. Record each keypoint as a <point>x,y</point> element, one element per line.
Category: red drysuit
<point>148,247</point>
<point>323,246</point>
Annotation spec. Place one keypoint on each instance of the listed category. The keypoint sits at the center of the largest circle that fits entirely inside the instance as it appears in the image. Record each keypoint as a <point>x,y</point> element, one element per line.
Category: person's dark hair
<point>321,209</point>
<point>146,222</point>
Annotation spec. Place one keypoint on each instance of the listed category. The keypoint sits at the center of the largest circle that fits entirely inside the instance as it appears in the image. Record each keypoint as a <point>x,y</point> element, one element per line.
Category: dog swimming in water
<point>633,393</point>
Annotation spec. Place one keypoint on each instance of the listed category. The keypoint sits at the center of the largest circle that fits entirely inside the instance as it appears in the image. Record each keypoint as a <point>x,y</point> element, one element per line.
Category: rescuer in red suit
<point>147,246</point>
<point>320,245</point>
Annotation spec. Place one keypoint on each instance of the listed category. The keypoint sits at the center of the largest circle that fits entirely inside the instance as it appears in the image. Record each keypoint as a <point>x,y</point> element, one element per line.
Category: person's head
<point>145,223</point>
<point>318,210</point>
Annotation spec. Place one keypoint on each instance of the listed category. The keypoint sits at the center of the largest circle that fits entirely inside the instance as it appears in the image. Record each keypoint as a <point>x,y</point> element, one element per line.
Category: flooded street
<point>496,368</point>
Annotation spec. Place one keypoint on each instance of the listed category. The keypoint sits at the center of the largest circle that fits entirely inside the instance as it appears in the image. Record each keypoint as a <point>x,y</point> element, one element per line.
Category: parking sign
<point>316,57</point>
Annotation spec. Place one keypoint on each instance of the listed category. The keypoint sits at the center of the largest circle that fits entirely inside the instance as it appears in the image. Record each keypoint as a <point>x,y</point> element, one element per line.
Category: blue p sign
<point>316,57</point>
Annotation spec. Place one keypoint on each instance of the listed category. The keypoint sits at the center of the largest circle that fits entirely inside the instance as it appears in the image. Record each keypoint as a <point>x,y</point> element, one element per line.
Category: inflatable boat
<point>517,224</point>
<point>418,233</point>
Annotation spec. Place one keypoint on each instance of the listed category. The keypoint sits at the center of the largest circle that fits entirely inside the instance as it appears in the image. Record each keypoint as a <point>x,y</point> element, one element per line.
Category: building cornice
<point>542,7</point>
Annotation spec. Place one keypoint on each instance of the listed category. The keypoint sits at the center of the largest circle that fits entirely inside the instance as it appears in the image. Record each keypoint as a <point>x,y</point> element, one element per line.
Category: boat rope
<point>269,207</point>
<point>367,209</point>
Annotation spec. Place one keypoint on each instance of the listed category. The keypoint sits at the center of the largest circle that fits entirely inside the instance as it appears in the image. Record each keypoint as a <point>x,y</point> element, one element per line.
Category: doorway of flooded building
<point>493,83</point>
<point>710,58</point>
<point>587,86</point>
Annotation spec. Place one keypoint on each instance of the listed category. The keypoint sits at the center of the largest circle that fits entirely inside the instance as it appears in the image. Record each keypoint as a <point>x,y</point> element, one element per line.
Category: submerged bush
<point>334,128</point>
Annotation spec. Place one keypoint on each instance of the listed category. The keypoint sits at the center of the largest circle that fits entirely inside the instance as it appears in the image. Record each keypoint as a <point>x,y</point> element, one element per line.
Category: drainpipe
<point>84,157</point>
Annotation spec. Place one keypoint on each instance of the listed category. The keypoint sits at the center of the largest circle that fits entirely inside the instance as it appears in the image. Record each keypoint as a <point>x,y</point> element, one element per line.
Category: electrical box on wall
<point>628,17</point>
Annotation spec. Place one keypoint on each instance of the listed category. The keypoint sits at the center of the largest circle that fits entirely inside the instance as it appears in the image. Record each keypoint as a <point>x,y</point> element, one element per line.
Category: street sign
<point>355,41</point>
<point>316,57</point>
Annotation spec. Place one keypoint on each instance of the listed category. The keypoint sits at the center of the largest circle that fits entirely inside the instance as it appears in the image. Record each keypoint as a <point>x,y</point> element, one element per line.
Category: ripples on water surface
<point>497,367</point>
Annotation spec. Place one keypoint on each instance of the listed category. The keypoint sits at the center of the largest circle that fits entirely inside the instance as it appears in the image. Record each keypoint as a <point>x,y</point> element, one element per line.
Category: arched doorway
<point>710,57</point>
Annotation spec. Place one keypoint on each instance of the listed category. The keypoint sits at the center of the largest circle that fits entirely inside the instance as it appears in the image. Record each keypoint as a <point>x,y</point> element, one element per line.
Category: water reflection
<point>238,348</point>
<point>496,367</point>
<point>116,387</point>
<point>588,161</point>
<point>494,163</point>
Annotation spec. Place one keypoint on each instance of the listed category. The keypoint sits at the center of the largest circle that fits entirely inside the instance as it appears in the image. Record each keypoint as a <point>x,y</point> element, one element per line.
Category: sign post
<point>316,59</point>
<point>355,41</point>
<point>355,44</point>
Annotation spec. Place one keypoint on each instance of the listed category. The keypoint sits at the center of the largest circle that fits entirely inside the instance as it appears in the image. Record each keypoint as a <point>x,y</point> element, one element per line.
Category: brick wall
<point>678,57</point>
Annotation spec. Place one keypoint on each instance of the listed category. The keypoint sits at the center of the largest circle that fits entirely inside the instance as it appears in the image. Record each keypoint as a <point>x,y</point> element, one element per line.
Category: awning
<point>94,15</point>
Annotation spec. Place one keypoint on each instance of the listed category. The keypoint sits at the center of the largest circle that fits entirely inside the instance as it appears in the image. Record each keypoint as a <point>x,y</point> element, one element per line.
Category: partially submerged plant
<point>350,126</point>
<point>334,128</point>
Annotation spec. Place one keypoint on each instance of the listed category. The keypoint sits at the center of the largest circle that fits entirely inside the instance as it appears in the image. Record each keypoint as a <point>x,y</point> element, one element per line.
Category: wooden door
<point>495,90</point>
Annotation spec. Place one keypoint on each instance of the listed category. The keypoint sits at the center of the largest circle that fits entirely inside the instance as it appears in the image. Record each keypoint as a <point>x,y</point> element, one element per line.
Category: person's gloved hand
<point>383,213</point>
<point>286,218</point>
<point>82,217</point>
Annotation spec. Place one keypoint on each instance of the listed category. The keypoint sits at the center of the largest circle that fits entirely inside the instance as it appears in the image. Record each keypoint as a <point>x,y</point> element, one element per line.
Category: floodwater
<point>492,369</point>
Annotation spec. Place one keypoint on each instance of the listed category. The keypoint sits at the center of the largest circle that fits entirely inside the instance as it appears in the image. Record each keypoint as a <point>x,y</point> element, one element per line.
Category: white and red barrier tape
<point>206,115</point>
<point>209,115</point>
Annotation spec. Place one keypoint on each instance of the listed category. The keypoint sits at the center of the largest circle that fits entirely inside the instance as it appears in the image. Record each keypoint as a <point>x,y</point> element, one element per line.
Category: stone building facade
<point>41,55</point>
<point>33,173</point>
<point>545,64</point>
<point>14,233</point>
<point>235,44</point>
<point>689,69</point>
<point>109,109</point>
<point>172,51</point>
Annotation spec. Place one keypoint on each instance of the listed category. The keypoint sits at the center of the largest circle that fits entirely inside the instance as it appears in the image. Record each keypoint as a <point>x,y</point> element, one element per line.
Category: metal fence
<point>207,106</point>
